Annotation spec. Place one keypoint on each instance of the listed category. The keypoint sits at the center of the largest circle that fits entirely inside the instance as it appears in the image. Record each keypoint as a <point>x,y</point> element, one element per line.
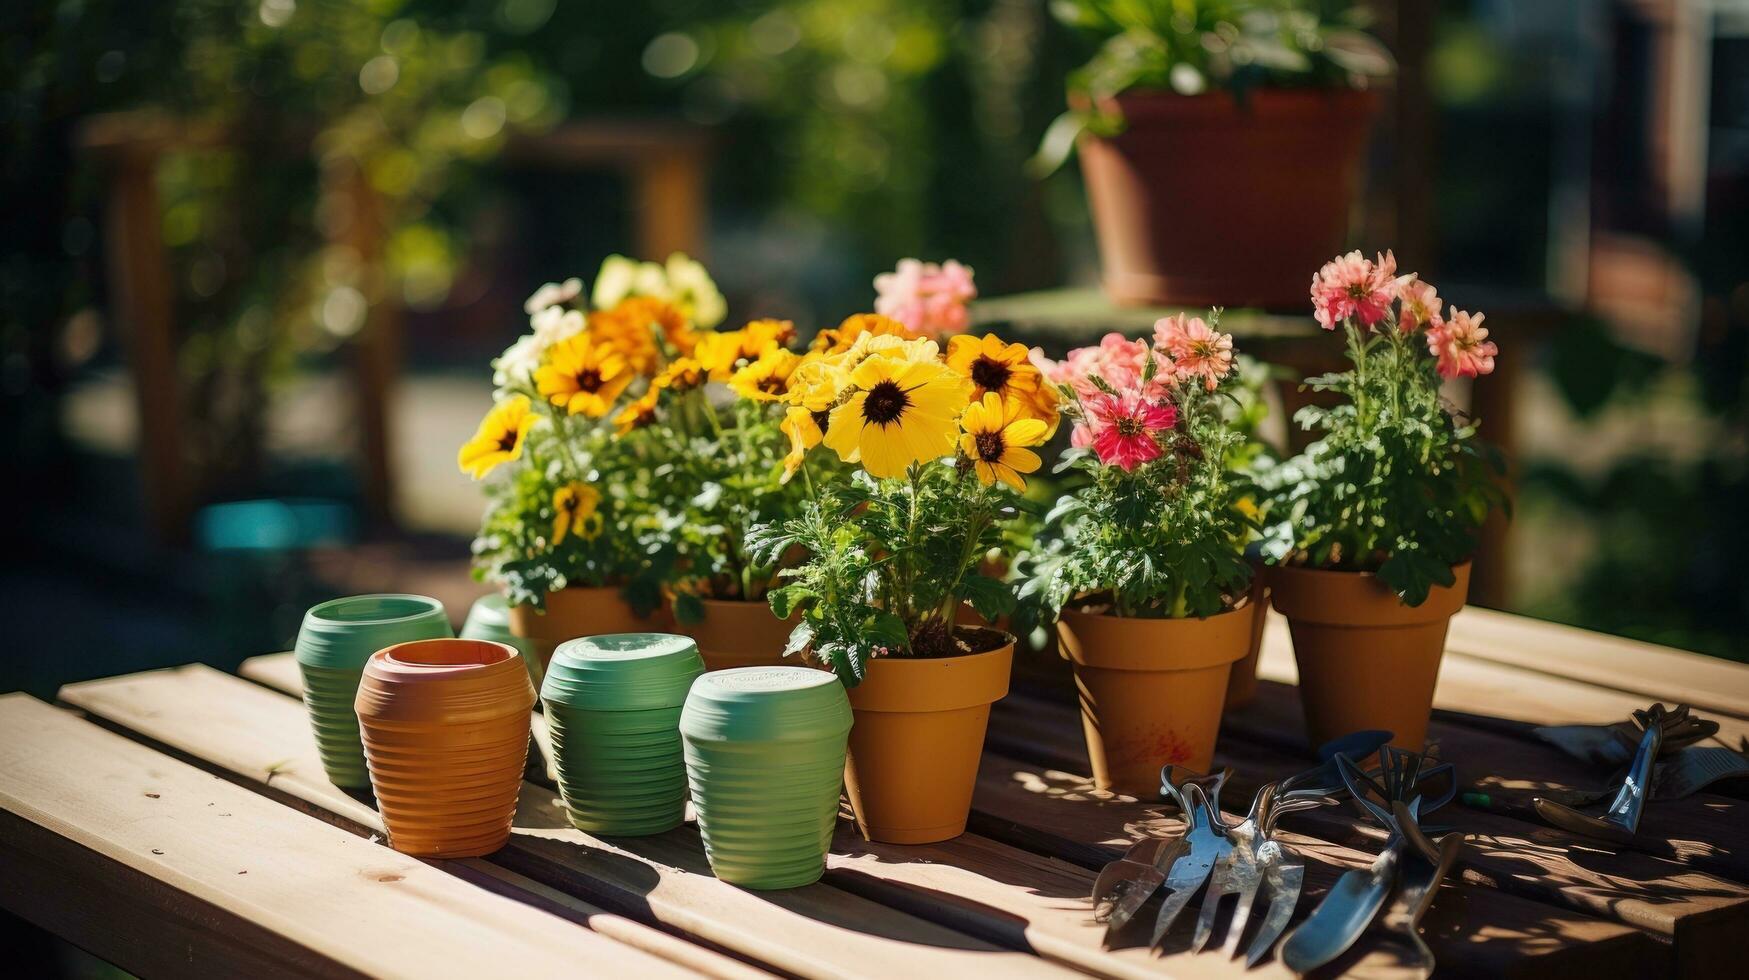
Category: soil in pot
<point>1366,661</point>
<point>918,738</point>
<point>1206,201</point>
<point>739,633</point>
<point>1151,690</point>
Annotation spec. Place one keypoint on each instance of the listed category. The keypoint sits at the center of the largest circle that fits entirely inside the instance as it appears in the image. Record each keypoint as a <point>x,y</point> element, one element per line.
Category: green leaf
<point>688,609</point>
<point>990,597</point>
<point>887,630</point>
<point>799,638</point>
<point>785,600</point>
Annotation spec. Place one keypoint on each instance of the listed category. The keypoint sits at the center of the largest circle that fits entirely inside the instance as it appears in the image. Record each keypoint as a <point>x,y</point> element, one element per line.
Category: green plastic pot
<point>489,619</point>
<point>613,710</point>
<point>765,760</point>
<point>336,639</point>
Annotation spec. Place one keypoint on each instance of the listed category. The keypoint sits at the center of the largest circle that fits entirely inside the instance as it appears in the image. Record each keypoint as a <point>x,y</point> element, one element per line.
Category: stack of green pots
<point>336,639</point>
<point>613,709</point>
<point>489,619</point>
<point>765,759</point>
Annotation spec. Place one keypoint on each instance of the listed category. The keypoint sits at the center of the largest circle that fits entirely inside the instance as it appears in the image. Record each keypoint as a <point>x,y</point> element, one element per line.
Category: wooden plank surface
<point>162,868</point>
<point>819,930</point>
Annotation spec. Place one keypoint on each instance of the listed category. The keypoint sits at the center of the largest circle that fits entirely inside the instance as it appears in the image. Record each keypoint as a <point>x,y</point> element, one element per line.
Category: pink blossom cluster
<point>1122,407</point>
<point>1352,287</point>
<point>928,298</point>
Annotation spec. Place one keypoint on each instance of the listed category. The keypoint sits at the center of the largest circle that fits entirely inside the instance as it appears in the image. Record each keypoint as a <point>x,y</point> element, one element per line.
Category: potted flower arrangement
<point>573,532</point>
<point>934,445</point>
<point>1373,526</point>
<point>1143,564</point>
<point>1220,140</point>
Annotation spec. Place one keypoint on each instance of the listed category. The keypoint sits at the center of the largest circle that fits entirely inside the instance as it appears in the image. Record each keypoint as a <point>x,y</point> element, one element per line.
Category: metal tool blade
<point>1342,916</point>
<point>1283,878</point>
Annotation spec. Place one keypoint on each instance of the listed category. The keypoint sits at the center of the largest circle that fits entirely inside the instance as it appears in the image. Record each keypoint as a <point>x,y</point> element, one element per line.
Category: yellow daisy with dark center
<point>993,365</point>
<point>583,376</point>
<point>899,412</point>
<point>766,379</point>
<point>576,511</point>
<point>995,435</point>
<point>499,438</point>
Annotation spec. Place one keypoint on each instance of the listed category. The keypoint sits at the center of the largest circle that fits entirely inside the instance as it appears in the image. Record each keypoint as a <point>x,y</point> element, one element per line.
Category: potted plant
<point>1221,142</point>
<point>938,442</point>
<point>573,532</point>
<point>1374,524</point>
<point>1142,564</point>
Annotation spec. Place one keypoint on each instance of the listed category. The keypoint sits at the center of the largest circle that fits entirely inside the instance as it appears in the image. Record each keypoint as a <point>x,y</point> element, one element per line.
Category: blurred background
<point>257,253</point>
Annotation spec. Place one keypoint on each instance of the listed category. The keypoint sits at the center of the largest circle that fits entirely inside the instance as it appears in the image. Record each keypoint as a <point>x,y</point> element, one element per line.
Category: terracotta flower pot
<point>765,761</point>
<point>1365,659</point>
<point>446,725</point>
<point>489,619</point>
<point>1204,201</point>
<point>918,736</point>
<point>336,639</point>
<point>613,708</point>
<point>1242,682</point>
<point>1151,690</point>
<point>738,633</point>
<point>578,611</point>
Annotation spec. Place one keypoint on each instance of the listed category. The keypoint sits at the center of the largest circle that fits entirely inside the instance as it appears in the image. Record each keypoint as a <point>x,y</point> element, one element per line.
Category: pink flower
<point>1118,361</point>
<point>1421,305</point>
<point>930,299</point>
<point>1197,350</point>
<point>1462,346</point>
<point>1123,427</point>
<point>1350,286</point>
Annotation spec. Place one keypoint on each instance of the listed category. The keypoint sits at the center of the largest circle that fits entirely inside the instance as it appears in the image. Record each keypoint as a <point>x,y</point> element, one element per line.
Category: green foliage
<point>890,562</point>
<point>1398,485</point>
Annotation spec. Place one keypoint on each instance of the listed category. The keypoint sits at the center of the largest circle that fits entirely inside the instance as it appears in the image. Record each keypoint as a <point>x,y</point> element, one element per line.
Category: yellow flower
<point>805,430</point>
<point>499,438</point>
<point>996,435</point>
<point>575,512</point>
<point>632,325</point>
<point>681,374</point>
<point>993,365</point>
<point>816,381</point>
<point>1043,403</point>
<point>716,353</point>
<point>901,412</point>
<point>840,338</point>
<point>583,376</point>
<point>767,379</point>
<point>639,413</point>
<point>760,336</point>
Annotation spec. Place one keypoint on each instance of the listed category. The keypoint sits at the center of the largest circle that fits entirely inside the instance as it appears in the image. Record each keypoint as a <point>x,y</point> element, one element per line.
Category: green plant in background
<point>1189,47</point>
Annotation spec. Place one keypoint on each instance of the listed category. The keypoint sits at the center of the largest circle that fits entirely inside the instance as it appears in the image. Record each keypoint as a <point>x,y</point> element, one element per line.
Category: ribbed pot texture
<point>918,738</point>
<point>737,633</point>
<point>765,761</point>
<point>613,709</point>
<point>1246,218</point>
<point>336,639</point>
<point>446,727</point>
<point>573,612</point>
<point>1152,690</point>
<point>1366,661</point>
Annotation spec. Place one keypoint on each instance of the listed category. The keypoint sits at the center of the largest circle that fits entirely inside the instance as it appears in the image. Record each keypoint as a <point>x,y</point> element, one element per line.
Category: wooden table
<point>183,826</point>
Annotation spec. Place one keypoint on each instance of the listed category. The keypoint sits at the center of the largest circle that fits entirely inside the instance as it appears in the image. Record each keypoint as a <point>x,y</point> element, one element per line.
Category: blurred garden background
<point>257,253</point>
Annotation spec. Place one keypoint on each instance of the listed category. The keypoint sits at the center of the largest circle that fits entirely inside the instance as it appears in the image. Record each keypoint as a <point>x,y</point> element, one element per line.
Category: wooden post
<point>376,350</point>
<point>670,192</point>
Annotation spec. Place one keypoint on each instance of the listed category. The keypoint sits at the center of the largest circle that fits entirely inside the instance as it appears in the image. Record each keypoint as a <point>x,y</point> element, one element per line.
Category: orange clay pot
<point>445,726</point>
<point>1242,682</point>
<point>740,633</point>
<point>1366,660</point>
<point>1151,690</point>
<point>579,611</point>
<point>917,740</point>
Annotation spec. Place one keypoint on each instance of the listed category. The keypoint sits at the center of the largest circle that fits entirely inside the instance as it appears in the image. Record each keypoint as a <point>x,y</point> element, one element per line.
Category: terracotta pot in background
<point>1242,682</point>
<point>1151,690</point>
<point>1366,660</point>
<point>739,633</point>
<point>489,619</point>
<point>764,750</point>
<point>336,639</point>
<point>1203,201</point>
<point>579,611</point>
<point>918,736</point>
<point>446,726</point>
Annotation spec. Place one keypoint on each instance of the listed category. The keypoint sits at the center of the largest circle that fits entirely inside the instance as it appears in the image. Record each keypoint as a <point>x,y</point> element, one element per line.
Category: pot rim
<point>1144,644</point>
<point>1382,608</point>
<point>472,658</point>
<point>1263,100</point>
<point>423,606</point>
<point>926,684</point>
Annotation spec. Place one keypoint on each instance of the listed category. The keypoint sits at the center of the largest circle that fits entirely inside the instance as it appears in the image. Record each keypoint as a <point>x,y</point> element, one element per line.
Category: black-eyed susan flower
<point>766,379</point>
<point>499,438</point>
<point>716,353</point>
<point>576,510</point>
<point>900,412</point>
<point>583,376</point>
<point>681,374</point>
<point>995,435</point>
<point>993,365</point>
<point>838,339</point>
<point>639,412</point>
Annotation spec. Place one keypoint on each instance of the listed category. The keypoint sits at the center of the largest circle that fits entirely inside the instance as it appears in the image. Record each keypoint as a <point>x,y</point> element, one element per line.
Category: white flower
<point>553,294</point>
<point>691,288</point>
<point>517,363</point>
<point>683,282</point>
